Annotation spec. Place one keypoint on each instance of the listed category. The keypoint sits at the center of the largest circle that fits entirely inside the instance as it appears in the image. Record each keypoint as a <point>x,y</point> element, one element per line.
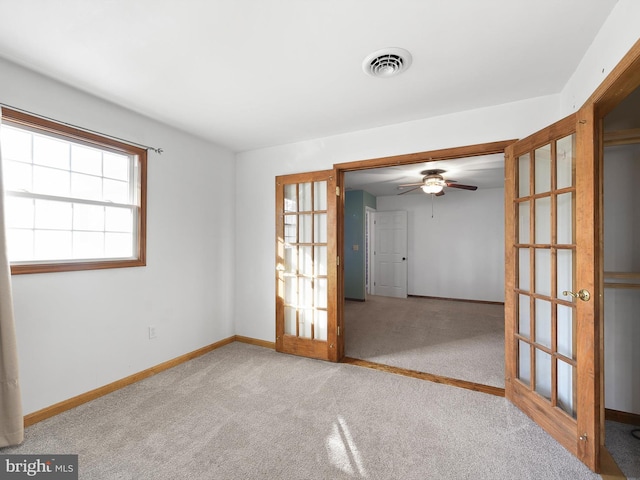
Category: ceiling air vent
<point>387,63</point>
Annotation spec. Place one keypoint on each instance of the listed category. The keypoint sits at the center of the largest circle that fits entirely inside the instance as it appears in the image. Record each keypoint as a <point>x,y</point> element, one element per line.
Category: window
<point>74,200</point>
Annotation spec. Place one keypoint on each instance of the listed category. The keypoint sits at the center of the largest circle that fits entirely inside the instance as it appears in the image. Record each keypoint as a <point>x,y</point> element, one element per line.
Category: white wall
<point>81,330</point>
<point>619,33</point>
<point>255,172</point>
<point>459,253</point>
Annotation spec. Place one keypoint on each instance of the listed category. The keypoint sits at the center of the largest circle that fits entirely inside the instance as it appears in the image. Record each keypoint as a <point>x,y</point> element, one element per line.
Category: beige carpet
<point>246,412</point>
<point>460,340</point>
<point>624,448</point>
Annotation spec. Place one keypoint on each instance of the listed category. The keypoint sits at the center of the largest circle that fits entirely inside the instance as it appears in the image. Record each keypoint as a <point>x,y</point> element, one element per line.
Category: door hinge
<point>338,261</point>
<point>337,191</point>
<point>338,330</point>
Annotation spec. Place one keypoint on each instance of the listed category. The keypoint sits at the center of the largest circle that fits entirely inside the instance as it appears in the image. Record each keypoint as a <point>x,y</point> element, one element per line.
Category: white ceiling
<point>253,73</point>
<point>486,171</point>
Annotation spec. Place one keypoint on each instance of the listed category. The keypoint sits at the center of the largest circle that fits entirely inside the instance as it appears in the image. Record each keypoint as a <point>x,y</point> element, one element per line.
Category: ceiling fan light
<point>433,188</point>
<point>433,184</point>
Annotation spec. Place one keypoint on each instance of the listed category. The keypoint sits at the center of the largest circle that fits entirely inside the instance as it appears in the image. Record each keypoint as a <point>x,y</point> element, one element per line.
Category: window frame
<point>72,134</point>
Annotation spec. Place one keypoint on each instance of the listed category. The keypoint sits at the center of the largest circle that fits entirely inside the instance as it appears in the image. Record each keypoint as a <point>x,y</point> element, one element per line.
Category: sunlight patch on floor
<point>343,452</point>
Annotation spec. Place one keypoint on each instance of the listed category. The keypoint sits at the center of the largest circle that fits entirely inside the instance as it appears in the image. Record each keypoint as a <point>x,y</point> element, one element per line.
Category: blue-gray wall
<point>354,234</point>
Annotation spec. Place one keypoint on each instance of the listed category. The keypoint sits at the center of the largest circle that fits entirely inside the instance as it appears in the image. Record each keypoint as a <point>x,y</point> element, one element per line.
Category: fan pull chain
<point>432,195</point>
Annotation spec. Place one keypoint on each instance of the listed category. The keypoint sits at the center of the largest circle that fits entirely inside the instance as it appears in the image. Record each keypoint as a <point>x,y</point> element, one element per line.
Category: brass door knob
<point>583,294</point>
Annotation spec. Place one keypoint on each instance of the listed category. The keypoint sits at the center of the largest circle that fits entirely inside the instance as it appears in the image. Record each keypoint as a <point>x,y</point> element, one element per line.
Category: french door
<point>306,265</point>
<point>551,290</point>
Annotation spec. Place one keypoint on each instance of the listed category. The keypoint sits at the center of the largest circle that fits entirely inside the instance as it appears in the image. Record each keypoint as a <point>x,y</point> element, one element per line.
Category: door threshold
<point>430,377</point>
<point>609,469</point>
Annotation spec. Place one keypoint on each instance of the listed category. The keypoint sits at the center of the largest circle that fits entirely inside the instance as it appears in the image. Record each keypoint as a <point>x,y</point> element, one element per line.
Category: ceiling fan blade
<point>410,185</point>
<point>461,186</point>
<point>439,194</point>
<point>411,190</point>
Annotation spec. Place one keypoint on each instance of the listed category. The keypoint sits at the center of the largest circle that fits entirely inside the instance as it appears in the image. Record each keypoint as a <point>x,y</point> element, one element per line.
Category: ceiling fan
<point>433,182</point>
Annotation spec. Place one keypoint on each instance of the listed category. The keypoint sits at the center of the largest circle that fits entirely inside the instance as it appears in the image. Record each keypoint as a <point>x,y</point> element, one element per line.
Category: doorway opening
<point>621,203</point>
<point>455,290</point>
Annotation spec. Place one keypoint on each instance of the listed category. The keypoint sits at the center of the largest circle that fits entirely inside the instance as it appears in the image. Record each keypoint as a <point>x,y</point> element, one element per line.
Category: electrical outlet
<point>153,333</point>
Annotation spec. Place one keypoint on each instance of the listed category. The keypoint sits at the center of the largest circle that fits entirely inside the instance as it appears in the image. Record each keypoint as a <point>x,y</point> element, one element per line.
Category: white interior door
<point>390,251</point>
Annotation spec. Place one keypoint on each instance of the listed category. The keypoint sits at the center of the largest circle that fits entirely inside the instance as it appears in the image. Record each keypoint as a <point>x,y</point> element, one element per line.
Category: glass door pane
<point>545,328</point>
<point>306,277</point>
